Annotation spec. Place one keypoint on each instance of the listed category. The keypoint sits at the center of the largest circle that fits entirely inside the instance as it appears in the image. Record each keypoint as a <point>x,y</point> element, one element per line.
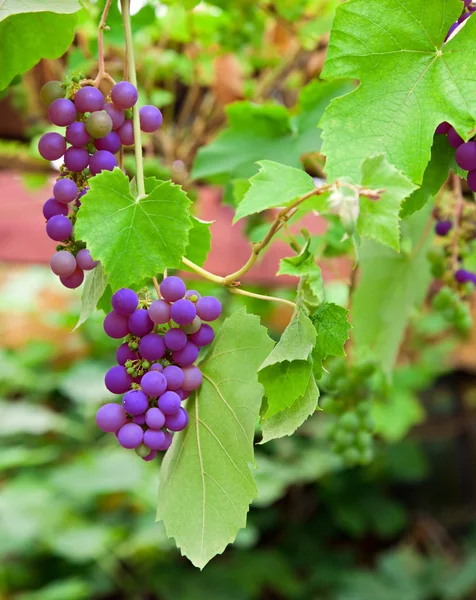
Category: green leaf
<point>199,241</point>
<point>296,343</point>
<point>93,290</point>
<point>104,302</point>
<point>379,219</point>
<point>402,64</point>
<point>332,329</point>
<point>31,30</point>
<point>134,240</point>
<point>390,286</point>
<point>266,132</point>
<point>206,483</point>
<point>274,185</point>
<point>395,417</point>
<point>287,421</point>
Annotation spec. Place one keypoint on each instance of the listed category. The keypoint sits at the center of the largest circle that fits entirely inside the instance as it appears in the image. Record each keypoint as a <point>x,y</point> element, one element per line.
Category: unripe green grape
<point>145,364</point>
<point>192,327</point>
<point>436,254</point>
<point>366,456</point>
<point>75,78</point>
<point>364,440</point>
<point>142,450</point>
<point>349,421</point>
<point>98,124</point>
<point>437,270</point>
<point>443,299</point>
<point>351,456</point>
<point>131,371</point>
<point>343,439</point>
<point>363,408</point>
<point>51,91</point>
<point>367,422</point>
<point>366,368</point>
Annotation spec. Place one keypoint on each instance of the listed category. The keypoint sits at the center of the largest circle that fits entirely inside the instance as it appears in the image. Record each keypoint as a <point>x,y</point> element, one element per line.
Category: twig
<point>157,288</point>
<point>102,73</point>
<point>457,219</point>
<point>242,292</point>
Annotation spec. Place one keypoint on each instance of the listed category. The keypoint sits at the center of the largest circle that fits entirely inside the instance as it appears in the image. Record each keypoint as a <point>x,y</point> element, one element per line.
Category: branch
<point>241,292</point>
<point>102,74</point>
<point>457,218</point>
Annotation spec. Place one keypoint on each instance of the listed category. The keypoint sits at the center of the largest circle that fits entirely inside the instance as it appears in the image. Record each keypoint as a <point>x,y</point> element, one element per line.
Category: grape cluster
<point>469,9</point>
<point>351,435</point>
<point>155,369</point>
<point>96,128</point>
<point>454,310</point>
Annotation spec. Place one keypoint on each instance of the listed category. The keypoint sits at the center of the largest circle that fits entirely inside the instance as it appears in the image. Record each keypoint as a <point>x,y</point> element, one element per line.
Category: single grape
<point>208,308</point>
<point>150,118</point>
<point>466,156</point>
<point>364,440</point>
<point>192,327</point>
<point>153,384</point>
<point>203,336</point>
<point>76,159</point>
<point>152,454</point>
<point>59,228</point>
<point>62,112</point>
<point>192,295</point>
<point>111,142</point>
<point>116,326</point>
<point>442,228</point>
<point>52,207</point>
<point>175,339</point>
<point>154,439</point>
<point>124,95</point>
<point>140,323</point>
<point>130,436</point>
<point>172,288</point>
<point>142,450</point>
<point>351,456</point>
<point>99,124</point>
<point>156,367</point>
<point>124,353</point>
<point>443,128</point>
<point>125,301</point>
<point>159,311</point>
<point>155,418</point>
<point>74,280</point>
<point>192,378</point>
<point>349,421</point>
<point>63,263</point>
<point>85,260</point>
<point>174,376</point>
<point>102,160</point>
<point>52,146</point>
<point>135,402</point>
<point>65,190</point>
<point>88,99</point>
<point>51,91</point>
<point>186,356</point>
<point>167,442</point>
<point>139,419</point>
<point>472,180</point>
<point>169,403</point>
<point>126,133</point>
<point>77,135</point>
<point>463,276</point>
<point>178,421</point>
<point>117,380</point>
<point>111,417</point>
<point>116,114</point>
<point>454,138</point>
<point>183,312</point>
<point>152,347</point>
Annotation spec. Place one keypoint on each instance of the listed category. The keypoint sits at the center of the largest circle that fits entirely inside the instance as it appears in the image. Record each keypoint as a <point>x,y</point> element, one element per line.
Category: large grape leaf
<point>332,329</point>
<point>93,290</point>
<point>133,239</point>
<point>31,30</point>
<point>410,81</point>
<point>206,482</point>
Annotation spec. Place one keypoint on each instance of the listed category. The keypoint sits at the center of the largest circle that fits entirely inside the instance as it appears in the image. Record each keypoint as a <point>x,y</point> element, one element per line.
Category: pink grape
<point>117,115</point>
<point>85,260</point>
<point>167,442</point>
<point>139,419</point>
<point>192,378</point>
<point>63,263</point>
<point>156,367</point>
<point>52,146</point>
<point>74,280</point>
<point>159,311</point>
<point>443,128</point>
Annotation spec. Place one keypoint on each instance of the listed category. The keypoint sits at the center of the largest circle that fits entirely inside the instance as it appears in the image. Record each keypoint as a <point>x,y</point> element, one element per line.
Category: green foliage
<point>332,329</point>
<point>199,241</point>
<point>93,290</point>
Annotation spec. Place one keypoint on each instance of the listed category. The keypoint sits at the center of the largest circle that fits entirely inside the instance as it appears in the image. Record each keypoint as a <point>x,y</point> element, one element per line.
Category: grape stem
<point>102,73</point>
<point>242,292</point>
<point>131,67</point>
<point>459,204</point>
<point>157,288</point>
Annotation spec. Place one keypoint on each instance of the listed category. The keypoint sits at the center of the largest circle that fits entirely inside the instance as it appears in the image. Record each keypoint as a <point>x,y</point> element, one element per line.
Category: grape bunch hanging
<point>155,370</point>
<point>96,128</point>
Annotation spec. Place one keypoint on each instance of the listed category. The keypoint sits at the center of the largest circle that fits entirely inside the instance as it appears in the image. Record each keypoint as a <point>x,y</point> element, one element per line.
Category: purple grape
<point>150,118</point>
<point>464,276</point>
<point>116,114</point>
<point>59,228</point>
<point>124,95</point>
<point>203,336</point>
<point>442,228</point>
<point>174,376</point>
<point>208,308</point>
<point>192,378</point>
<point>154,439</point>
<point>466,156</point>
<point>169,403</point>
<point>126,133</point>
<point>183,312</point>
<point>62,112</point>
<point>454,138</point>
<point>85,260</point>
<point>472,180</point>
<point>116,326</point>
<point>88,99</point>
<point>167,442</point>
<point>111,142</point>
<point>52,207</point>
<point>124,353</point>
<point>135,402</point>
<point>76,159</point>
<point>125,301</point>
<point>192,327</point>
<point>74,280</point>
<point>111,417</point>
<point>443,128</point>
<point>155,418</point>
<point>172,289</point>
<point>52,146</point>
<point>139,419</point>
<point>156,367</point>
<point>153,384</point>
<point>65,190</point>
<point>152,347</point>
<point>186,356</point>
<point>102,160</point>
<point>152,454</point>
<point>118,380</point>
<point>178,421</point>
<point>77,135</point>
<point>130,435</point>
<point>175,339</point>
<point>184,394</point>
<point>63,263</point>
<point>159,311</point>
<point>140,323</point>
<point>192,295</point>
